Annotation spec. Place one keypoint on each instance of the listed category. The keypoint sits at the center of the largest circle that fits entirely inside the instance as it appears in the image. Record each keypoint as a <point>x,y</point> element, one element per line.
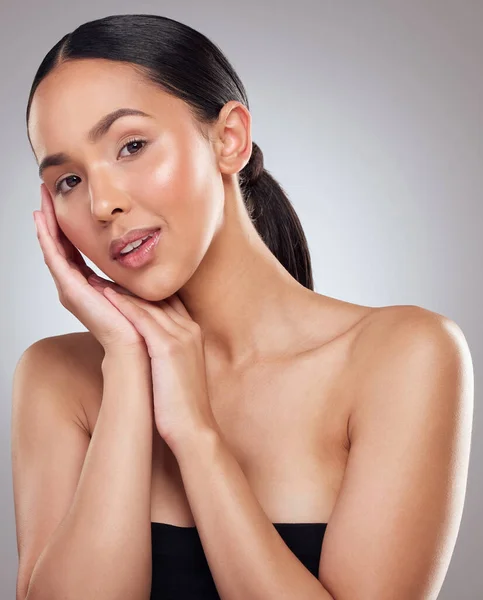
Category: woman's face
<point>169,179</point>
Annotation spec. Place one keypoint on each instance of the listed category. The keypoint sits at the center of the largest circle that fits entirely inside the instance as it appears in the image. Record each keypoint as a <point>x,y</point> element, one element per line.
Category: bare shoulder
<point>389,326</point>
<point>402,340</point>
<point>76,354</point>
<point>410,432</point>
<point>73,362</point>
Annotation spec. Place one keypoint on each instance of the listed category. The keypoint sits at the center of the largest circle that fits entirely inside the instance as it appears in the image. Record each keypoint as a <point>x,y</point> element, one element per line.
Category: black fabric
<point>180,568</point>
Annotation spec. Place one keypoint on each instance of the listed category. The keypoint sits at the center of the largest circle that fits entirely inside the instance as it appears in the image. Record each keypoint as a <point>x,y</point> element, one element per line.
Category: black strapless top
<point>180,568</point>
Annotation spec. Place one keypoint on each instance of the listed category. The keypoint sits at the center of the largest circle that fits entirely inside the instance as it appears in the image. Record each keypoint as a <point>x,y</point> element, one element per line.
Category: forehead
<point>77,94</point>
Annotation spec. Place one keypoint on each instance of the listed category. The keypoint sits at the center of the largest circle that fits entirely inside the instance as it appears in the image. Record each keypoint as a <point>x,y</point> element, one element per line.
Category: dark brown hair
<point>185,63</point>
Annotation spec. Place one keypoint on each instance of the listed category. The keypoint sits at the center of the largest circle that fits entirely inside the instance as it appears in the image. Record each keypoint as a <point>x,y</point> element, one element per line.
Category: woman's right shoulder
<point>78,354</point>
<point>71,363</point>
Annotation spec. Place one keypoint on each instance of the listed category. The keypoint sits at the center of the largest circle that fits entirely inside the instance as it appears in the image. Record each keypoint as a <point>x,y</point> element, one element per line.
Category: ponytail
<point>275,218</point>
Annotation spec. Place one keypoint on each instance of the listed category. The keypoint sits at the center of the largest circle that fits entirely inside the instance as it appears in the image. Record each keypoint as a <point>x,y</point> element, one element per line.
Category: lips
<point>131,236</point>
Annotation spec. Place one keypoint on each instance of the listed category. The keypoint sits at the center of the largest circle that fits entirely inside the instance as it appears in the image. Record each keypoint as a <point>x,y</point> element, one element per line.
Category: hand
<point>70,274</point>
<point>175,344</point>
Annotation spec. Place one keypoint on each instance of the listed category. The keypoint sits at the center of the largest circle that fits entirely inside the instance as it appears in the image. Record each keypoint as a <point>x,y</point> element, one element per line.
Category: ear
<point>234,137</point>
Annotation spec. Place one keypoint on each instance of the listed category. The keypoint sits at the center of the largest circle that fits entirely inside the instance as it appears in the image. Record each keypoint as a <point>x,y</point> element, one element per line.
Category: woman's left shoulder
<point>410,323</point>
<point>397,335</point>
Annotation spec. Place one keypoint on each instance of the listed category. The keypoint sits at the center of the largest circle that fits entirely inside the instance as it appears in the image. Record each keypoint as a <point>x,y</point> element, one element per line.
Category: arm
<point>395,523</point>
<point>247,557</point>
<point>396,520</point>
<point>101,548</point>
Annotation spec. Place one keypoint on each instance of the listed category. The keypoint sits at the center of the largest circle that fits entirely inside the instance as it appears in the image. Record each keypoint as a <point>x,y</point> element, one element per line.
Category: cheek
<point>73,221</point>
<point>80,234</point>
<point>184,189</point>
<point>186,193</point>
<point>66,224</point>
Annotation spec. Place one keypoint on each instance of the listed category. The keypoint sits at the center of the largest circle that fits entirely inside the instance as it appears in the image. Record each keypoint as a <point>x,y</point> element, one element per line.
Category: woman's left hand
<point>174,341</point>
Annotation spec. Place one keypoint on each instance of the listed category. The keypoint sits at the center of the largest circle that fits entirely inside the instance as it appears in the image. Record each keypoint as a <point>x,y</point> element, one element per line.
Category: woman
<point>219,419</point>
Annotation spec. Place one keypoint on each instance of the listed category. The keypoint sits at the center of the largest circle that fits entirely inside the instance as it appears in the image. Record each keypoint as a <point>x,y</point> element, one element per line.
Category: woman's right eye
<point>58,184</point>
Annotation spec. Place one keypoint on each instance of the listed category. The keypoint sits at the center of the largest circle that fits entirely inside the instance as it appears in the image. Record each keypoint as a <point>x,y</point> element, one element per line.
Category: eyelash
<point>131,141</point>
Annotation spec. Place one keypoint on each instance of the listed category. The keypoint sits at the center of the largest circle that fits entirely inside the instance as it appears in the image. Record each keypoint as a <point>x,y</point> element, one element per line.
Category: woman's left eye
<point>134,141</point>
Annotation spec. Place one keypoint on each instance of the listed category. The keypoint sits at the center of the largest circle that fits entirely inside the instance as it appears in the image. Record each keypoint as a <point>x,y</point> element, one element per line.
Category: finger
<point>143,321</point>
<point>177,310</point>
<point>64,245</point>
<point>101,283</point>
<point>138,308</point>
<point>156,309</point>
<point>53,259</point>
<point>73,256</point>
<point>65,275</point>
<point>151,307</point>
<point>79,261</point>
<point>47,210</point>
<point>171,312</point>
<point>175,301</point>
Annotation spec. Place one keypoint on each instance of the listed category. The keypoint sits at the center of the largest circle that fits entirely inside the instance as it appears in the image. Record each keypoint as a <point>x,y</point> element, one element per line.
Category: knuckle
<point>195,328</point>
<point>172,347</point>
<point>66,296</point>
<point>195,331</point>
<point>188,336</point>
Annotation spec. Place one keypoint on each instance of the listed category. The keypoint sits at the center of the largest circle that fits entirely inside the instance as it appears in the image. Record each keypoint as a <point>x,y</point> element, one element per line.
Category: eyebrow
<point>95,134</point>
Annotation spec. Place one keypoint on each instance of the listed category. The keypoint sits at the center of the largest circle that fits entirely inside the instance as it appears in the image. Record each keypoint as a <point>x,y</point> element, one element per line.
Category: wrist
<point>127,354</point>
<point>205,440</point>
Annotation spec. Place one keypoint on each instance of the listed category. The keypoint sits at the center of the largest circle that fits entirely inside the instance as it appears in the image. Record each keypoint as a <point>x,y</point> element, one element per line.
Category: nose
<point>107,199</point>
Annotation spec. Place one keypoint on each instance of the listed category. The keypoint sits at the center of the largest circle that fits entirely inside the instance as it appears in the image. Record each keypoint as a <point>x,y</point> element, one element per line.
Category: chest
<point>286,425</point>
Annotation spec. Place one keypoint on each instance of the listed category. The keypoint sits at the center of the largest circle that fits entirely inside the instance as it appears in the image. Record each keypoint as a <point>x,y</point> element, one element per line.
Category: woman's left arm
<point>396,520</point>
<point>394,526</point>
<point>247,557</point>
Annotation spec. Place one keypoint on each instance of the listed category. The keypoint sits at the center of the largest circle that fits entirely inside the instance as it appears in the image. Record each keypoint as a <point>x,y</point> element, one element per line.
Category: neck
<point>244,300</point>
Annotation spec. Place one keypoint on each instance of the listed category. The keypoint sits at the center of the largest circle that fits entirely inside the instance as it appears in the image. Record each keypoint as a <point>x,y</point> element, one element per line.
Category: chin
<point>149,292</point>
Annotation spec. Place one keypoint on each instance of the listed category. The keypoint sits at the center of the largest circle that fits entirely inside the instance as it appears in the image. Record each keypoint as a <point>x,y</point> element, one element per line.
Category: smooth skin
<point>163,332</point>
<point>390,388</point>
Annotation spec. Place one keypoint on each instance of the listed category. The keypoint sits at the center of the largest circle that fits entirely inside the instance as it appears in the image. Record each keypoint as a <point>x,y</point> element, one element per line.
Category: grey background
<point>368,113</point>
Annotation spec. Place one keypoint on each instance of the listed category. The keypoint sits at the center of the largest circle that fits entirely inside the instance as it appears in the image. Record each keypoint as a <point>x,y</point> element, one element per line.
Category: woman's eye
<point>59,184</point>
<point>135,142</point>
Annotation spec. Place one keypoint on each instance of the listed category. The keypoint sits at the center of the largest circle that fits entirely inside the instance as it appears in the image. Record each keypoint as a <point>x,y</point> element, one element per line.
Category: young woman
<point>219,419</point>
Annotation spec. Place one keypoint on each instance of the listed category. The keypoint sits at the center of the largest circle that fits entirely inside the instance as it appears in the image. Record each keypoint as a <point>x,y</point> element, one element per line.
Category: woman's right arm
<point>101,547</point>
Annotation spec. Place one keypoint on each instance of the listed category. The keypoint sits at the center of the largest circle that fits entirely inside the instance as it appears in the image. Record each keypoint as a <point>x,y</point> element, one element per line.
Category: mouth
<point>139,252</point>
<point>134,236</point>
<point>134,245</point>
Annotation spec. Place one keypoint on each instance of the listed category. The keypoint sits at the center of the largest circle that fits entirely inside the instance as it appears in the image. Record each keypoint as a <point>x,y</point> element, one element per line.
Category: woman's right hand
<point>70,272</point>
